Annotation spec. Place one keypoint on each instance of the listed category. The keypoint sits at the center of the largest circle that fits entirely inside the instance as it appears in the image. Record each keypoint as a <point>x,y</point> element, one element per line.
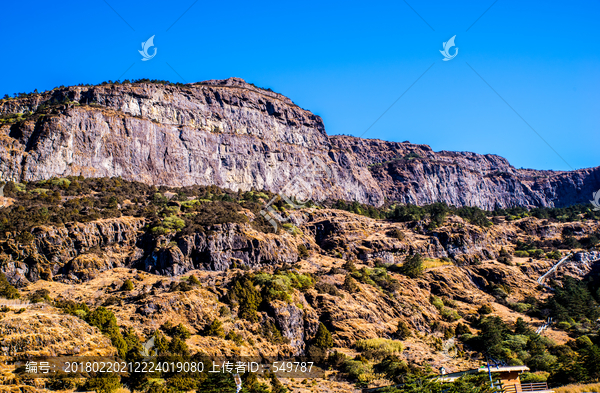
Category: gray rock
<point>234,135</point>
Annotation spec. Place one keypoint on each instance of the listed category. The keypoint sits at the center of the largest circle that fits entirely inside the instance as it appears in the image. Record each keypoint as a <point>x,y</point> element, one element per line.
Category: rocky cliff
<point>235,135</point>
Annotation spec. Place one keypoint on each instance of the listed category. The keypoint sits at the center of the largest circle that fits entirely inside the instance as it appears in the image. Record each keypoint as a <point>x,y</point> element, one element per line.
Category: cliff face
<point>232,134</point>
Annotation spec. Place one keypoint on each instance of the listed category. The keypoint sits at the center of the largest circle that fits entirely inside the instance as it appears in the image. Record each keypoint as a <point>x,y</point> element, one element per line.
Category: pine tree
<point>215,329</point>
<point>412,266</point>
<point>247,297</point>
<point>521,327</point>
<point>323,338</point>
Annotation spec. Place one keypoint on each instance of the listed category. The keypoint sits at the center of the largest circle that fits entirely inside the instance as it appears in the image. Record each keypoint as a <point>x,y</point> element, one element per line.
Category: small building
<point>506,377</point>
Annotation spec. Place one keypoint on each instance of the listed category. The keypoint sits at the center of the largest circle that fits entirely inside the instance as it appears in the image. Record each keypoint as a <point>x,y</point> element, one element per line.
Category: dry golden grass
<point>429,263</point>
<point>380,347</point>
<point>578,388</point>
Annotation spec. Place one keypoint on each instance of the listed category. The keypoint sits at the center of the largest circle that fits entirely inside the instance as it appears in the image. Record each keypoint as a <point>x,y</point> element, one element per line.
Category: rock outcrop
<point>235,135</point>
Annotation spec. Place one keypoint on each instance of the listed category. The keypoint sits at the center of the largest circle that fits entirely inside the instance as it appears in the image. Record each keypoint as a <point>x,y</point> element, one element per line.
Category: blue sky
<point>348,62</point>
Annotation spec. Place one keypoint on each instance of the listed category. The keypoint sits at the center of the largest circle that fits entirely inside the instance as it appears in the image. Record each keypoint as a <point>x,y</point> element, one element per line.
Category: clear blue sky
<point>347,62</point>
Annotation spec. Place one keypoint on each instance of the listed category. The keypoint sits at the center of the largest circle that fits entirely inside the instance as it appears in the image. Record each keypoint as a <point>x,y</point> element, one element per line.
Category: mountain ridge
<point>235,135</point>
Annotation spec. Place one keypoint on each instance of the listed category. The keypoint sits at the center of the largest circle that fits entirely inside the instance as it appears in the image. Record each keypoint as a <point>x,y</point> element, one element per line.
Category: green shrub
<point>193,280</point>
<point>103,383</point>
<point>41,295</point>
<point>180,331</point>
<point>224,311</point>
<point>485,309</point>
<point>215,329</point>
<point>272,334</point>
<point>521,254</point>
<point>357,370</point>
<point>403,331</point>
<point>127,285</point>
<point>450,315</point>
<point>537,377</point>
<point>396,234</point>
<point>236,338</point>
<point>583,342</point>
<point>177,346</point>
<point>556,255</point>
<point>563,325</point>
<point>436,302</point>
<point>7,291</point>
<point>325,287</point>
<point>105,320</point>
<point>520,307</point>
<point>461,329</point>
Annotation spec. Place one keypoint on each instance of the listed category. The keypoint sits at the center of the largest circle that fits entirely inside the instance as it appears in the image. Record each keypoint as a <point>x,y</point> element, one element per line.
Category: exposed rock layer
<point>232,134</point>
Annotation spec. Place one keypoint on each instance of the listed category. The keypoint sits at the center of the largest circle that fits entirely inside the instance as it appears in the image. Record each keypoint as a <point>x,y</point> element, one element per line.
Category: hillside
<point>414,288</point>
<point>234,135</point>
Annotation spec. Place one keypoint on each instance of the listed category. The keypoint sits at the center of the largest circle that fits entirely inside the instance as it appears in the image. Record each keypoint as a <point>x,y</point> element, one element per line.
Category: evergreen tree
<point>215,329</point>
<point>247,297</point>
<point>104,383</point>
<point>412,266</point>
<point>521,327</point>
<point>217,383</point>
<point>323,338</point>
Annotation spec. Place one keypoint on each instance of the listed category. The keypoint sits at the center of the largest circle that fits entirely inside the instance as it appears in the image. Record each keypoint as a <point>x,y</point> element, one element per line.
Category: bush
<point>193,280</point>
<point>105,320</point>
<point>521,254</point>
<point>378,348</point>
<point>180,331</point>
<point>7,291</point>
<point>396,234</point>
<point>436,302</point>
<point>485,309</point>
<point>564,325</point>
<point>236,338</point>
<point>272,334</point>
<point>127,285</point>
<point>350,284</point>
<point>505,257</point>
<point>303,251</point>
<point>450,315</point>
<point>534,377</point>
<point>104,383</point>
<point>40,295</point>
<point>403,331</point>
<point>357,370</point>
<point>461,329</point>
<point>556,255</point>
